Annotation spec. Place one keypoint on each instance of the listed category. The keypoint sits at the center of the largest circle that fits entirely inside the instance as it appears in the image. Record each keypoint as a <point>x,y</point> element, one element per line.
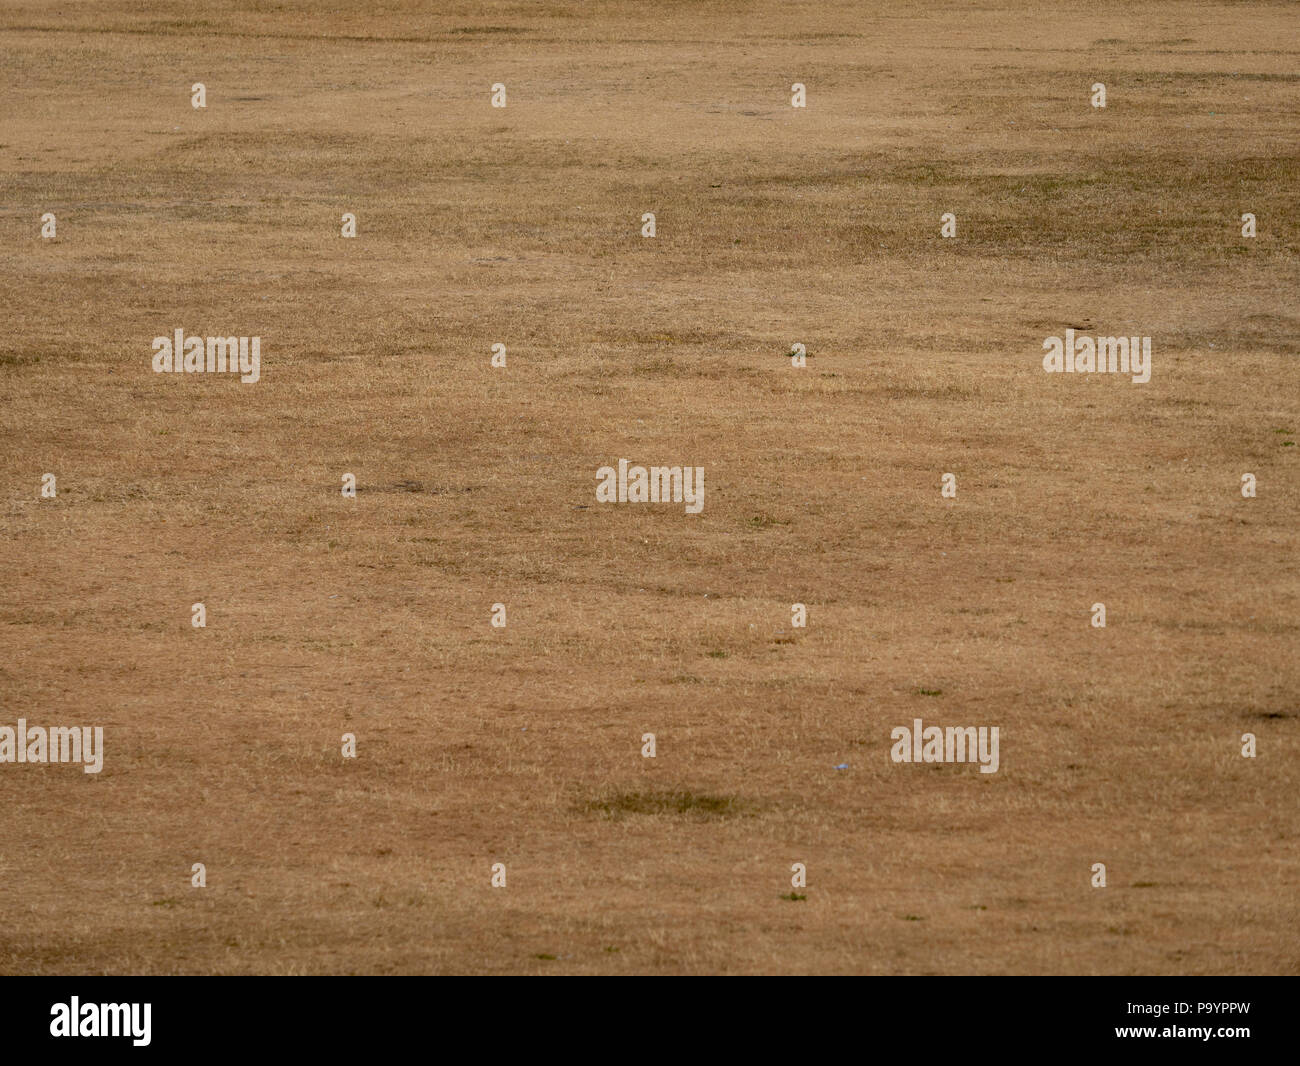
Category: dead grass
<point>476,486</point>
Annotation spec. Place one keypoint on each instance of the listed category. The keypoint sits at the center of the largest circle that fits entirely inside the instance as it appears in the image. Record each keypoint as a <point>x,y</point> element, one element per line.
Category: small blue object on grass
<point>842,766</point>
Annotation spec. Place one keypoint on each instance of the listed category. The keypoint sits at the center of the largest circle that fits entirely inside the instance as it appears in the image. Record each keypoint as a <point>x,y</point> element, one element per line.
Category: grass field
<point>775,225</point>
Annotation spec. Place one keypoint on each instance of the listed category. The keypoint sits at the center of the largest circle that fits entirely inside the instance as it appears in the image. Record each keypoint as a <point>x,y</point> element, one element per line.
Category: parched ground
<point>522,745</point>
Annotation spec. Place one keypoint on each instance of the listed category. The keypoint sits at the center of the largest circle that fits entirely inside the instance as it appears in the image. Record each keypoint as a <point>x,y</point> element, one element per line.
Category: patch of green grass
<point>930,691</point>
<point>794,897</point>
<point>661,366</point>
<point>676,801</point>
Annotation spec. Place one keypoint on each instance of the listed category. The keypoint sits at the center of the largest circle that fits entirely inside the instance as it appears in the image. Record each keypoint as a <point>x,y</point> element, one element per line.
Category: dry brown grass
<point>476,486</point>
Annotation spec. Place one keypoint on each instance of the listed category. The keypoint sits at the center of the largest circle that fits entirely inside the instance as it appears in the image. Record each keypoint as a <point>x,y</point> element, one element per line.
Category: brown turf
<point>521,745</point>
